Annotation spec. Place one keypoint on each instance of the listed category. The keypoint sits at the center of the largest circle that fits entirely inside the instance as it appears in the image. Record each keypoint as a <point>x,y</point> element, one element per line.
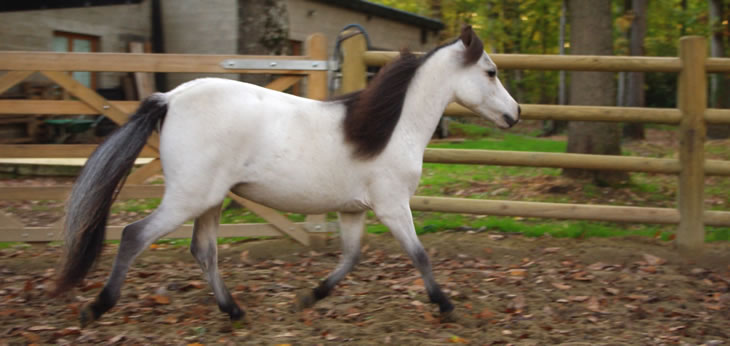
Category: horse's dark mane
<point>372,113</point>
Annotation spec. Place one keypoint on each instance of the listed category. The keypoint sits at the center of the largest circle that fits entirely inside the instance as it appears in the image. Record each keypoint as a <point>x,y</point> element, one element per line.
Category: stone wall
<point>307,17</point>
<point>199,27</point>
<point>114,25</point>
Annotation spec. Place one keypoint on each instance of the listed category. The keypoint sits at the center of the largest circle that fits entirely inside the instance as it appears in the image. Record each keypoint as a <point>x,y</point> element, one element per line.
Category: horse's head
<point>477,86</point>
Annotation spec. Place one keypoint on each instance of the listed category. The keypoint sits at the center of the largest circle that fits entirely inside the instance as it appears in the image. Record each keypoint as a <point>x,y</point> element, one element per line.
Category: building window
<point>71,42</point>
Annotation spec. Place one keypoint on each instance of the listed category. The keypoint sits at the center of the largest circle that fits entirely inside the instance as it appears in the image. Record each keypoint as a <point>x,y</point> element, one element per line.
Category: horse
<point>219,135</point>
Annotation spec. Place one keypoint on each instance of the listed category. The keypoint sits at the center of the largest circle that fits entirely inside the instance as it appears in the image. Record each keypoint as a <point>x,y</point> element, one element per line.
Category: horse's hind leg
<point>204,248</point>
<point>400,222</point>
<point>136,237</point>
<point>351,227</point>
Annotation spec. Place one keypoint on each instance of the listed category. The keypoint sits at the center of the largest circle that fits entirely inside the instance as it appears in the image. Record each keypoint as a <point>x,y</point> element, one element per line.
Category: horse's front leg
<point>351,226</point>
<point>397,217</point>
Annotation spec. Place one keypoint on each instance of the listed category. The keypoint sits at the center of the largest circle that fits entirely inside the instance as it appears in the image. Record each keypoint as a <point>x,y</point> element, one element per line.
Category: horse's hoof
<point>449,317</point>
<point>304,300</point>
<point>86,316</point>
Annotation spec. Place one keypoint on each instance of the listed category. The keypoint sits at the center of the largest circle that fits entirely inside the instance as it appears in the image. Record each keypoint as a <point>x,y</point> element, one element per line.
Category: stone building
<point>191,26</point>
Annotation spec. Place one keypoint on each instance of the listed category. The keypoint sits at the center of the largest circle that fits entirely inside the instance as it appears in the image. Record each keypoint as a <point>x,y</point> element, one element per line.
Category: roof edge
<point>387,12</point>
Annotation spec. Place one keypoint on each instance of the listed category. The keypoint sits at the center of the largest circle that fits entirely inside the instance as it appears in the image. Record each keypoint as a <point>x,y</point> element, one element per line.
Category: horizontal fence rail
<point>133,62</point>
<point>560,210</point>
<point>575,62</point>
<point>669,116</point>
<point>565,160</point>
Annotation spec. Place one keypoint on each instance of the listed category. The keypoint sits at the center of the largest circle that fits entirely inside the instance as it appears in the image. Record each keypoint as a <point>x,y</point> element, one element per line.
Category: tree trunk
<point>635,87</point>
<point>591,34</point>
<point>719,83</point>
<point>552,127</point>
<point>263,30</point>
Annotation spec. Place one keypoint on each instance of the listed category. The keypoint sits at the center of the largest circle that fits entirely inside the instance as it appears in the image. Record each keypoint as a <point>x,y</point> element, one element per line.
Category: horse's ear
<point>474,46</point>
<point>466,32</point>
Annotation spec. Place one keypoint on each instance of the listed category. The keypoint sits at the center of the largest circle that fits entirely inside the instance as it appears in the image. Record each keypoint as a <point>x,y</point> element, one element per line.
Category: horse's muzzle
<point>509,120</point>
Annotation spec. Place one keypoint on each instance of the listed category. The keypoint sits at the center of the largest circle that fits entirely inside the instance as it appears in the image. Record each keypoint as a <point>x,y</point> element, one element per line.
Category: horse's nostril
<point>508,119</point>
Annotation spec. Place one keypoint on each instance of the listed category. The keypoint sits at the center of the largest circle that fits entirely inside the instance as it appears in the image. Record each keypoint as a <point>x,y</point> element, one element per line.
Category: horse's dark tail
<point>95,189</point>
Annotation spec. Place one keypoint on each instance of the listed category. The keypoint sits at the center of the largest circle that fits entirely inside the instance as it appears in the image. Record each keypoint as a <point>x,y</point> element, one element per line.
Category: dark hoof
<point>449,317</point>
<point>236,313</point>
<point>304,300</point>
<point>86,316</point>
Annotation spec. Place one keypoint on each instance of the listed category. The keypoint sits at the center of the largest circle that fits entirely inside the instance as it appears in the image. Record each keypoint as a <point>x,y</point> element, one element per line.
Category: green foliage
<point>532,27</point>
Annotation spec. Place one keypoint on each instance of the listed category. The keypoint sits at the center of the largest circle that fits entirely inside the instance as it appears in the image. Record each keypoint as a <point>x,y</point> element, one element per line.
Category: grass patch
<point>507,142</point>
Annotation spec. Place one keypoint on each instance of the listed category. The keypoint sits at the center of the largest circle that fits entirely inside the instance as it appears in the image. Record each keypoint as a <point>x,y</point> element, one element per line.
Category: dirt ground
<point>508,289</point>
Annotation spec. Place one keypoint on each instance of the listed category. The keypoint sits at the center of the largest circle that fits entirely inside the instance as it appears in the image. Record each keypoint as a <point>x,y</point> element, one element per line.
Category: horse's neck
<point>428,95</point>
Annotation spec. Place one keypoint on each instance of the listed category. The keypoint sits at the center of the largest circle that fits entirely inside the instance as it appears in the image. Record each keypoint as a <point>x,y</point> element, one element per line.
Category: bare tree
<point>635,89</point>
<point>263,30</point>
<point>591,28</point>
<point>719,83</point>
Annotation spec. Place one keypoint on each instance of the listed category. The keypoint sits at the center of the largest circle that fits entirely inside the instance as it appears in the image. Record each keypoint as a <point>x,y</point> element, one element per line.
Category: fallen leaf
<point>582,276</point>
<point>32,338</point>
<point>41,328</point>
<point>648,269</point>
<point>561,286</point>
<point>593,304</point>
<point>597,266</point>
<point>654,260</point>
<point>674,329</point>
<point>486,314</point>
<point>159,299</point>
<point>457,340</point>
<point>428,317</point>
<point>641,297</point>
<point>578,298</point>
<point>117,338</point>
<point>612,291</point>
<point>92,285</point>
<point>518,272</point>
<point>551,250</point>
<point>67,331</point>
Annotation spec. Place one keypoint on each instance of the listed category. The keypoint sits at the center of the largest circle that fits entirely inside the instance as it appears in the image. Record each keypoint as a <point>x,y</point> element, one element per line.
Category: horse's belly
<point>304,201</point>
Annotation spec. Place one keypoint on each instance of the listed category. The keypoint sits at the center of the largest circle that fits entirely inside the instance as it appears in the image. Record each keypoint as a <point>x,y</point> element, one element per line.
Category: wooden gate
<point>55,67</point>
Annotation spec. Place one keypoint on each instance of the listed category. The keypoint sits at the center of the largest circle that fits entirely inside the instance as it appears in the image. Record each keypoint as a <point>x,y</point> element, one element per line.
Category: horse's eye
<point>492,73</point>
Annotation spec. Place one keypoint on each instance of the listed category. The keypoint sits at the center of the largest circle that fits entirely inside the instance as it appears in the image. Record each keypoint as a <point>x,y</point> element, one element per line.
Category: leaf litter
<point>537,291</point>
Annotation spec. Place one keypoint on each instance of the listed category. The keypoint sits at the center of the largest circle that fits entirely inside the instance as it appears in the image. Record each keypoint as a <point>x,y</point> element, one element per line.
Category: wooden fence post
<point>316,48</point>
<point>692,100</point>
<point>317,89</point>
<point>354,69</point>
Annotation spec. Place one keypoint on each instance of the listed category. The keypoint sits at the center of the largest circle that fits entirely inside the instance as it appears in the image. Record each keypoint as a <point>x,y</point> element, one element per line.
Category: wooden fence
<point>691,116</point>
<point>55,66</point>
